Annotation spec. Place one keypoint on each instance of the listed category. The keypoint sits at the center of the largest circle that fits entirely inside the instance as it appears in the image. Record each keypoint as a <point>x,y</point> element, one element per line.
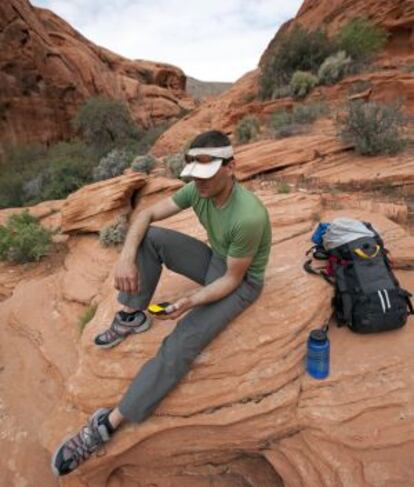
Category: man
<point>230,274</point>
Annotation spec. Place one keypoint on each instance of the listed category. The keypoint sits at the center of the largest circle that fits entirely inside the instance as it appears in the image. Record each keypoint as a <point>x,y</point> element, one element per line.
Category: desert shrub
<point>20,164</point>
<point>281,92</point>
<point>374,128</point>
<point>32,175</point>
<point>281,124</point>
<point>114,234</point>
<point>306,114</point>
<point>69,167</point>
<point>144,163</point>
<point>297,50</point>
<point>302,84</point>
<point>175,164</point>
<point>285,123</point>
<point>23,239</point>
<point>148,138</point>
<point>113,164</point>
<point>333,68</point>
<point>87,316</point>
<point>105,123</point>
<point>361,39</point>
<point>247,129</point>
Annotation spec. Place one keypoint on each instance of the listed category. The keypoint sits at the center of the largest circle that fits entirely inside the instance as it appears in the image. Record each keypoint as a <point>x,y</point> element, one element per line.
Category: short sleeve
<point>246,238</point>
<point>184,196</point>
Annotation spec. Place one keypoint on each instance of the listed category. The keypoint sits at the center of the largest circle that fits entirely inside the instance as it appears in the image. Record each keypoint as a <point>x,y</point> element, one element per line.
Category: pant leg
<point>179,252</point>
<point>178,350</point>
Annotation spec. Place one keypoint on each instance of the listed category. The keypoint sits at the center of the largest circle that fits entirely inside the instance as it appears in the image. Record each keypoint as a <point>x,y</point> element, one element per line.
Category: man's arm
<point>218,289</point>
<point>126,273</point>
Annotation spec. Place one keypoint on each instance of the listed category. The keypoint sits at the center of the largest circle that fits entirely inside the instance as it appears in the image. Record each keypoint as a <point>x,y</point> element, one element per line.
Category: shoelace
<point>88,441</point>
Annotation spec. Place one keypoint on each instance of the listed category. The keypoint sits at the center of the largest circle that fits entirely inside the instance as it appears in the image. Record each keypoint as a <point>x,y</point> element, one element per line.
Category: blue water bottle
<point>317,355</point>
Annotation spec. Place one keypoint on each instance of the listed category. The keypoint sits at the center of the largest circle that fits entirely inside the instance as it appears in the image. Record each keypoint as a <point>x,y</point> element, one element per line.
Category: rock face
<point>47,70</point>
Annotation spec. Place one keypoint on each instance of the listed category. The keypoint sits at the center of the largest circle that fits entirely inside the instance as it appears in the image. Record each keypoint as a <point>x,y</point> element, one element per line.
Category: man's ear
<point>232,166</point>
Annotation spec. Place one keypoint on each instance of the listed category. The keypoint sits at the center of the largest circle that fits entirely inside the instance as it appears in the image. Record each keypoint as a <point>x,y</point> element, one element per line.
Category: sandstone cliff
<point>47,70</point>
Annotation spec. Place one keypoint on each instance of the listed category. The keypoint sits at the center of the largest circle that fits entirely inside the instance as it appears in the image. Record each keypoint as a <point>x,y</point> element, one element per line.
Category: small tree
<point>113,164</point>
<point>247,129</point>
<point>361,39</point>
<point>302,84</point>
<point>334,68</point>
<point>175,164</point>
<point>114,234</point>
<point>23,239</point>
<point>144,163</point>
<point>105,123</point>
<point>374,128</point>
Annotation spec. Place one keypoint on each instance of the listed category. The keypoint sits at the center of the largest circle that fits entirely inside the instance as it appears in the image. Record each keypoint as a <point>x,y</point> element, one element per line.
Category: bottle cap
<point>318,335</point>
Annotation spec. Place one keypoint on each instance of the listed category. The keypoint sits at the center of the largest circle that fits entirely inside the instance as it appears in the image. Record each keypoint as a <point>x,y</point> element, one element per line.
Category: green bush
<point>247,129</point>
<point>361,39</point>
<point>334,68</point>
<point>148,138</point>
<point>175,164</point>
<point>297,50</point>
<point>23,239</point>
<point>113,164</point>
<point>302,84</point>
<point>281,92</point>
<point>374,128</point>
<point>144,163</point>
<point>285,124</point>
<point>87,316</point>
<point>114,234</point>
<point>105,123</point>
<point>69,167</point>
<point>306,114</point>
<point>29,176</point>
<point>20,164</point>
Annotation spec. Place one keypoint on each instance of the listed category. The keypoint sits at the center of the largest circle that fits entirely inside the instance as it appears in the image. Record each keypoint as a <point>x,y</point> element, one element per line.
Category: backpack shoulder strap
<point>317,272</point>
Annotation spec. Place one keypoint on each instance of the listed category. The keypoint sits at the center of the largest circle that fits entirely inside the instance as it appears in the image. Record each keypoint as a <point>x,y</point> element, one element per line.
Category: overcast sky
<point>212,40</point>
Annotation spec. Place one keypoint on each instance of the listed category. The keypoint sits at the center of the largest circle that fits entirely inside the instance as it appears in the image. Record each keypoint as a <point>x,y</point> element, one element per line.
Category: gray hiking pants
<point>194,259</point>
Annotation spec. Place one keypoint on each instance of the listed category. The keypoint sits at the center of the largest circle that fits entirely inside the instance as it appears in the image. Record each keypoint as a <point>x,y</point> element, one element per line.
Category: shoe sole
<point>139,329</point>
<point>55,471</point>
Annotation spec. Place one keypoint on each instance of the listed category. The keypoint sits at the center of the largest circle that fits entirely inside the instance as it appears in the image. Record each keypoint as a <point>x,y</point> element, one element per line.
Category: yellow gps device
<point>158,309</point>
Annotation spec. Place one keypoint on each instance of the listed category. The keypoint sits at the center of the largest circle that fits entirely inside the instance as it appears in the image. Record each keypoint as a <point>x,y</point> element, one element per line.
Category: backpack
<point>368,297</point>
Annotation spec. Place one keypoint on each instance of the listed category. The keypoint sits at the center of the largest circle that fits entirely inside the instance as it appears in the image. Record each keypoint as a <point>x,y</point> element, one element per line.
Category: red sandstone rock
<point>48,70</point>
<point>100,204</point>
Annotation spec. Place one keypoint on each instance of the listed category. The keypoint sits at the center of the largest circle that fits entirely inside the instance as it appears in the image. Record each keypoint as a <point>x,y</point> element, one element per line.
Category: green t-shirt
<point>240,228</point>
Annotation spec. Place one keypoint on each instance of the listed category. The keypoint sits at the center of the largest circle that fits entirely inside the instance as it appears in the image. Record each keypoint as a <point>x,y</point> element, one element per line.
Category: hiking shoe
<point>124,324</point>
<point>75,450</point>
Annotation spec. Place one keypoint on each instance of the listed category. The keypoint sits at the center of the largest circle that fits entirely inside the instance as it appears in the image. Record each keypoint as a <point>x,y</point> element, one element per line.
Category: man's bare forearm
<point>135,235</point>
<point>218,289</point>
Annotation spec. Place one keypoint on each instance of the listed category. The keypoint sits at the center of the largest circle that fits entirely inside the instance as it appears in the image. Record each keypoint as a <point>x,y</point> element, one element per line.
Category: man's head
<point>210,162</point>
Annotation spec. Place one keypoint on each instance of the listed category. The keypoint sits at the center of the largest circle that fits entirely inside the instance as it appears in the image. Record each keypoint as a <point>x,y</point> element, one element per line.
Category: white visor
<point>206,170</point>
<point>199,170</point>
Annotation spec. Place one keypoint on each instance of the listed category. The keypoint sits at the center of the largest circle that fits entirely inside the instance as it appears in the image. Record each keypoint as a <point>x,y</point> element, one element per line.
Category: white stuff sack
<point>344,230</point>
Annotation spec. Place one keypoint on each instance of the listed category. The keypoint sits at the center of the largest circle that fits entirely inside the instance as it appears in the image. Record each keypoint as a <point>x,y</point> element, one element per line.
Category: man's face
<point>211,187</point>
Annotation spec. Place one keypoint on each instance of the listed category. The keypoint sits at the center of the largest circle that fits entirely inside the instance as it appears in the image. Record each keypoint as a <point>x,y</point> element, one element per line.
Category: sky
<point>211,40</point>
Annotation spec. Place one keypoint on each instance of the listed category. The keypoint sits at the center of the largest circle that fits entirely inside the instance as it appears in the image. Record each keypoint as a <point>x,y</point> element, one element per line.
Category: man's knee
<point>180,349</point>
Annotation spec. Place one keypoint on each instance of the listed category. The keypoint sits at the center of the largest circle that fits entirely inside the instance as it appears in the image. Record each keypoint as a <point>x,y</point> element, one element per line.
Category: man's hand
<point>126,276</point>
<point>176,309</point>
